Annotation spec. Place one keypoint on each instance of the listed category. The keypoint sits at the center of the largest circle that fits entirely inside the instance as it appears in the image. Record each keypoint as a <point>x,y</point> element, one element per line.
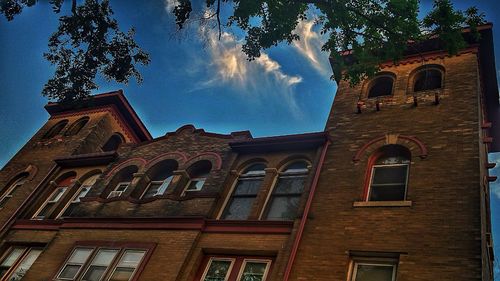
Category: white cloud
<point>309,46</point>
<point>169,5</point>
<point>261,79</point>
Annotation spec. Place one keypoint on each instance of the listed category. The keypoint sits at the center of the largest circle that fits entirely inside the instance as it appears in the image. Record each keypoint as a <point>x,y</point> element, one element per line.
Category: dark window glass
<point>77,126</point>
<point>428,80</point>
<point>55,130</point>
<point>113,143</point>
<point>382,86</point>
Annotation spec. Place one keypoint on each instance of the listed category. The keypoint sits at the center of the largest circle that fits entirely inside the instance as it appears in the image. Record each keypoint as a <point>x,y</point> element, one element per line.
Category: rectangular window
<point>157,188</point>
<point>56,195</point>
<point>241,201</point>
<point>242,268</point>
<point>388,182</point>
<point>119,189</point>
<point>373,269</point>
<point>87,263</point>
<point>18,260</point>
<point>195,184</point>
<point>68,210</point>
<point>285,199</point>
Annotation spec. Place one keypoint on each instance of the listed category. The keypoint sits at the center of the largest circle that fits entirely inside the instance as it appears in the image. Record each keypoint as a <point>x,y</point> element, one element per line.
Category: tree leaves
<point>374,31</point>
<point>86,43</point>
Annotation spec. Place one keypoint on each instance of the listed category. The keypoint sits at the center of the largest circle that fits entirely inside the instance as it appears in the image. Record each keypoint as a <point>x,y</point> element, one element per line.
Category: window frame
<point>305,173</point>
<point>246,175</point>
<point>386,262</point>
<point>161,183</point>
<point>8,193</point>
<point>36,215</point>
<point>19,260</point>
<point>372,175</point>
<point>128,183</point>
<point>122,247</point>
<point>237,267</point>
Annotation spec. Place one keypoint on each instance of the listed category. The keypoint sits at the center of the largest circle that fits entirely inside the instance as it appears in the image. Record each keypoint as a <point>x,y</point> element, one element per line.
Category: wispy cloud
<point>169,5</point>
<point>309,46</point>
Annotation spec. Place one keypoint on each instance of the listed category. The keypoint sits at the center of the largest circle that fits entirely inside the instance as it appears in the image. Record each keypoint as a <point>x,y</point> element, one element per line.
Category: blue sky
<point>207,82</point>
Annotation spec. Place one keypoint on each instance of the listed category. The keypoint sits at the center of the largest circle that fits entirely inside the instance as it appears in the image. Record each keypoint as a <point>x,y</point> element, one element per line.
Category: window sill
<point>382,204</point>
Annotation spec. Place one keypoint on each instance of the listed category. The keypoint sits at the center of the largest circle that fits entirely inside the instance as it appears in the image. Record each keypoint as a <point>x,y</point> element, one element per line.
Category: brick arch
<point>412,143</point>
<point>30,170</point>
<point>213,157</point>
<point>180,157</point>
<point>292,159</point>
<point>243,166</point>
<point>368,83</point>
<point>89,174</point>
<point>139,162</point>
<point>430,66</point>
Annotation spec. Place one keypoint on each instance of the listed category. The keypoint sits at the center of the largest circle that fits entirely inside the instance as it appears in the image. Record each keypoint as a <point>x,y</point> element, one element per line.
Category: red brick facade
<point>110,187</point>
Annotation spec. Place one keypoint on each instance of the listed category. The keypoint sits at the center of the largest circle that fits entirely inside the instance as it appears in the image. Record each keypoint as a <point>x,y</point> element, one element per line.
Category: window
<point>54,198</point>
<point>56,129</point>
<point>198,174</point>
<point>381,86</point>
<point>161,176</point>
<point>12,188</point>
<point>428,79</point>
<point>121,181</point>
<point>113,142</point>
<point>247,187</point>
<point>17,261</point>
<point>88,263</point>
<point>77,126</point>
<point>389,174</point>
<point>284,201</point>
<point>80,193</point>
<point>371,269</point>
<point>236,269</point>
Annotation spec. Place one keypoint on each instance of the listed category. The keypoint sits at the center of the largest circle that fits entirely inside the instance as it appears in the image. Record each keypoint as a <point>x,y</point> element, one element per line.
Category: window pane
<point>104,257</point>
<point>196,185</point>
<point>83,191</point>
<point>250,186</point>
<point>94,273</point>
<point>389,174</point>
<point>239,208</point>
<point>290,185</point>
<point>69,271</point>
<point>283,207</point>
<point>58,193</point>
<point>254,271</point>
<point>387,193</point>
<point>131,258</point>
<point>367,272</point>
<point>218,270</point>
<point>122,186</point>
<point>122,274</point>
<point>80,255</point>
<point>10,260</point>
<point>152,190</point>
<point>165,185</point>
<point>45,210</point>
<point>25,265</point>
<point>69,210</point>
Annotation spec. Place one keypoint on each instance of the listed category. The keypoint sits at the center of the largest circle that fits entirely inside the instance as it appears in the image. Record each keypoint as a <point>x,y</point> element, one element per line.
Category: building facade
<point>394,188</point>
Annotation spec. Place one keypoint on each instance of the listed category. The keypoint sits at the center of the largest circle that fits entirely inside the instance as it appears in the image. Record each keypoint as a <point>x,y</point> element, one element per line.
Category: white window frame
<point>20,259</point>
<point>117,260</point>
<point>75,199</point>
<point>355,264</point>
<point>66,262</point>
<point>47,201</point>
<point>88,262</point>
<point>245,261</point>
<point>119,192</point>
<point>10,190</point>
<point>232,260</point>
<point>158,193</point>
<point>187,190</point>
<point>387,165</point>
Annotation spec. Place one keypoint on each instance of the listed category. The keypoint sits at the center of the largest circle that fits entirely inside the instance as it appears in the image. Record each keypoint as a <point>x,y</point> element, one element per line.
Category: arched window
<point>55,197</point>
<point>9,191</point>
<point>428,79</point>
<point>198,174</point>
<point>56,129</point>
<point>77,126</point>
<point>80,193</point>
<point>247,187</point>
<point>284,201</point>
<point>122,180</point>
<point>389,174</point>
<point>113,142</point>
<point>161,176</point>
<point>381,86</point>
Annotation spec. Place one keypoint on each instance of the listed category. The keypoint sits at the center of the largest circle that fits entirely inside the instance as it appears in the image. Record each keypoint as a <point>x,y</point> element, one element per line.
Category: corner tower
<point>403,193</point>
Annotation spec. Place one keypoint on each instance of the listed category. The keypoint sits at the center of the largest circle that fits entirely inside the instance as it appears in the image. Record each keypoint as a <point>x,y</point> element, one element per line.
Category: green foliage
<point>87,42</point>
<point>374,31</point>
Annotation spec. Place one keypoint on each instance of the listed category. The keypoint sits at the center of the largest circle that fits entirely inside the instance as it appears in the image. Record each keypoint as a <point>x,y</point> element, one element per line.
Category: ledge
<point>382,204</point>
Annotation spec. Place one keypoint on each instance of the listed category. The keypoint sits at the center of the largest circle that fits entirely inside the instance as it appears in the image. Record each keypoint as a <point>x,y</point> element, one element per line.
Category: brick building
<point>395,188</point>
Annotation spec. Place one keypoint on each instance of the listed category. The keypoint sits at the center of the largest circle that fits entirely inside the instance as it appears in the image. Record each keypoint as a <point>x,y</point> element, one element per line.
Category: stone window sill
<point>382,204</point>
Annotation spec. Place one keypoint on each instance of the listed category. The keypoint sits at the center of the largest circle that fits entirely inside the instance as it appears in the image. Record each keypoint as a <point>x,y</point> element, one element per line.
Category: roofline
<point>279,143</point>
